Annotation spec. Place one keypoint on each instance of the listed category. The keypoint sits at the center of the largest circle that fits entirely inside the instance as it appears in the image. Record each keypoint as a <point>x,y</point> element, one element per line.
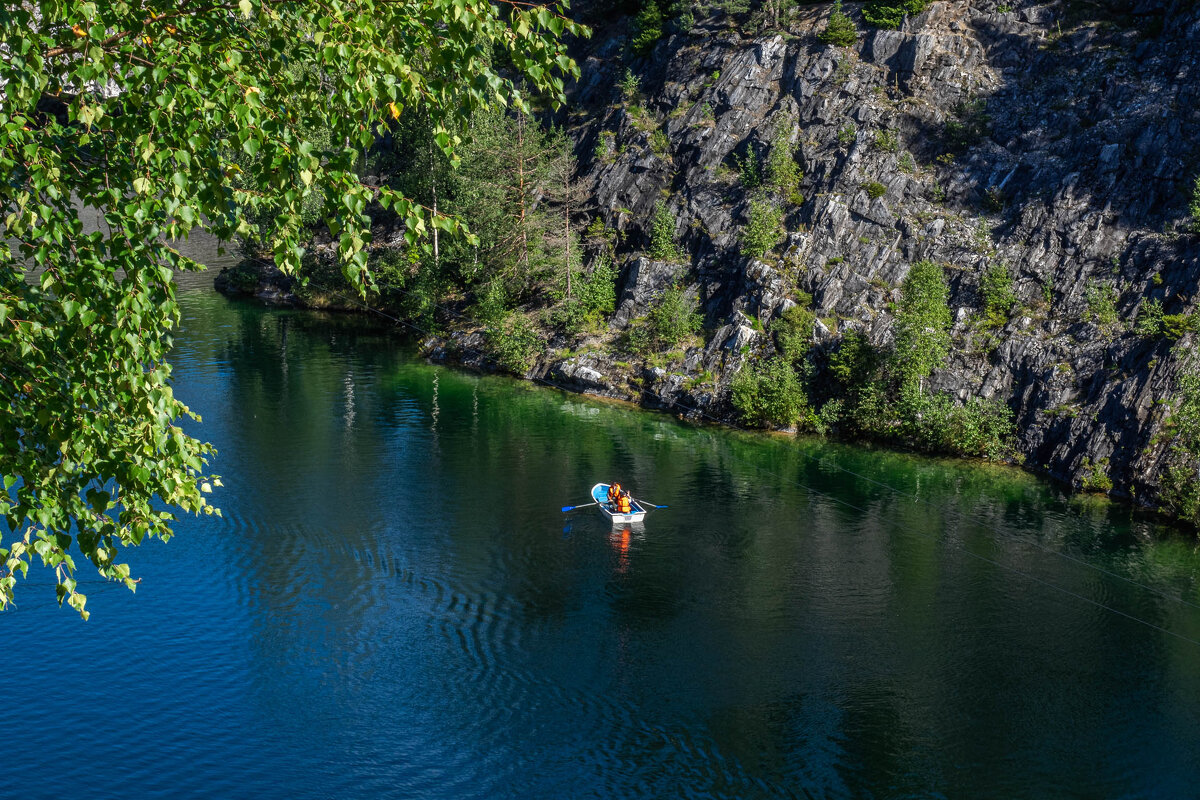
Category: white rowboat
<point>600,495</point>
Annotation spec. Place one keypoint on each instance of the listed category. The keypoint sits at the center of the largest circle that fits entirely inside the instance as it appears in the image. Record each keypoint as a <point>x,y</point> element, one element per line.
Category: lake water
<point>393,605</point>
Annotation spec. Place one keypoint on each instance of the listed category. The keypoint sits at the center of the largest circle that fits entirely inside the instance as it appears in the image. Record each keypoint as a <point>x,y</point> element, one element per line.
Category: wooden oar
<point>585,505</point>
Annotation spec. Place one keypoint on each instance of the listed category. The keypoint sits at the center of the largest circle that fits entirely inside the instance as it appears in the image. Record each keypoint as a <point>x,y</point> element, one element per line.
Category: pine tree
<point>840,29</point>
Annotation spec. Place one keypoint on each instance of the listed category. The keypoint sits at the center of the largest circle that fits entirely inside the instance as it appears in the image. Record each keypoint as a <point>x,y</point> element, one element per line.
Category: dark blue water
<point>393,606</point>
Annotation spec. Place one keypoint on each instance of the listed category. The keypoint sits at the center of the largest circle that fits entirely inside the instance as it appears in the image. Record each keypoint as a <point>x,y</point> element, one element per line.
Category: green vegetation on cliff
<point>890,13</point>
<point>523,271</point>
<point>1181,478</point>
<point>873,394</point>
<point>840,29</point>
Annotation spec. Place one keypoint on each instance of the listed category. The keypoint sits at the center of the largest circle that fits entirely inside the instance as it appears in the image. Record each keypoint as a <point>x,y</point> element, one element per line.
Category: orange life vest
<point>623,505</point>
<point>614,491</point>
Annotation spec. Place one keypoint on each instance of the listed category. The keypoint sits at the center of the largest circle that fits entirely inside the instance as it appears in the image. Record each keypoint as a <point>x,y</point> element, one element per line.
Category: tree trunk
<point>567,211</point>
<point>433,185</point>
<point>521,192</point>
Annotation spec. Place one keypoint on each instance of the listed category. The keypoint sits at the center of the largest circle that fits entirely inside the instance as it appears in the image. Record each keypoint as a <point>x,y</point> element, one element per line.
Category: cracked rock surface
<point>1059,146</point>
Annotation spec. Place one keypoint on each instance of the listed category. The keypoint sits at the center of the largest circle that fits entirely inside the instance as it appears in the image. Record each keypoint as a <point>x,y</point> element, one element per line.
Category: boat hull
<point>600,495</point>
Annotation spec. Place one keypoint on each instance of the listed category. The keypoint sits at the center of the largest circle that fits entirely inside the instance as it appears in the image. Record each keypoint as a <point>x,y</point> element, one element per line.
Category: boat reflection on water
<point>622,537</point>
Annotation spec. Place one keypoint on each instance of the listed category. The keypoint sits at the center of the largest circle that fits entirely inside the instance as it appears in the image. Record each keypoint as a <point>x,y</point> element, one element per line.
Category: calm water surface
<point>393,606</point>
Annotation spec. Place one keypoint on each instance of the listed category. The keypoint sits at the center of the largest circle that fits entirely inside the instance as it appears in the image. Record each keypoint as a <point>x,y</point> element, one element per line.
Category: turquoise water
<point>394,606</point>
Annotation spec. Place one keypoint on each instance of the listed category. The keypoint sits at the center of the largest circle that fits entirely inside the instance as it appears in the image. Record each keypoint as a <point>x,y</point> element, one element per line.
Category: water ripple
<point>392,605</point>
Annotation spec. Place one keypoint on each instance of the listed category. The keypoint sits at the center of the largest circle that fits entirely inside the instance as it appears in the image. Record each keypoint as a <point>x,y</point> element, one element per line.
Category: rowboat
<point>600,495</point>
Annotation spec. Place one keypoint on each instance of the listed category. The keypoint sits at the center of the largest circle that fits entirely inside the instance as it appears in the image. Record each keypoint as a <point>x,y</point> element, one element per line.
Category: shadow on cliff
<point>1082,157</point>
<point>1087,110</point>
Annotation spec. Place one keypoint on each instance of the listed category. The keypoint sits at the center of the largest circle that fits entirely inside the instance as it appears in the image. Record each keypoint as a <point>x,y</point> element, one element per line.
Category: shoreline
<point>277,291</point>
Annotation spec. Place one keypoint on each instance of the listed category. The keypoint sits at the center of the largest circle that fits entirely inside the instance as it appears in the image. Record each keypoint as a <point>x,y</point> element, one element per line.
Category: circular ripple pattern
<point>392,605</point>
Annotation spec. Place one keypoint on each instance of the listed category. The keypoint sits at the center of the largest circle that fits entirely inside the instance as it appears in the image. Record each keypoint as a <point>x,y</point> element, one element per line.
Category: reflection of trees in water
<point>302,376</point>
<point>311,438</point>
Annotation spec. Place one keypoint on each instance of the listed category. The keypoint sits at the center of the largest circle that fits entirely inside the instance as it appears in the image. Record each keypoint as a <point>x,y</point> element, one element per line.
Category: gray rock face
<point>643,281</point>
<point>260,279</point>
<point>1060,147</point>
<point>580,375</point>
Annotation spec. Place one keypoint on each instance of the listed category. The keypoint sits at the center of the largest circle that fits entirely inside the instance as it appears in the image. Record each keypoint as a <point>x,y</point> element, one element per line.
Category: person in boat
<point>619,499</point>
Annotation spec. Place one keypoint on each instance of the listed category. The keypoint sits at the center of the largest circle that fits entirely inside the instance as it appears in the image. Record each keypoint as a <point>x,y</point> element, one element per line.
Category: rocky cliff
<point>1055,139</point>
<point>1050,143</point>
